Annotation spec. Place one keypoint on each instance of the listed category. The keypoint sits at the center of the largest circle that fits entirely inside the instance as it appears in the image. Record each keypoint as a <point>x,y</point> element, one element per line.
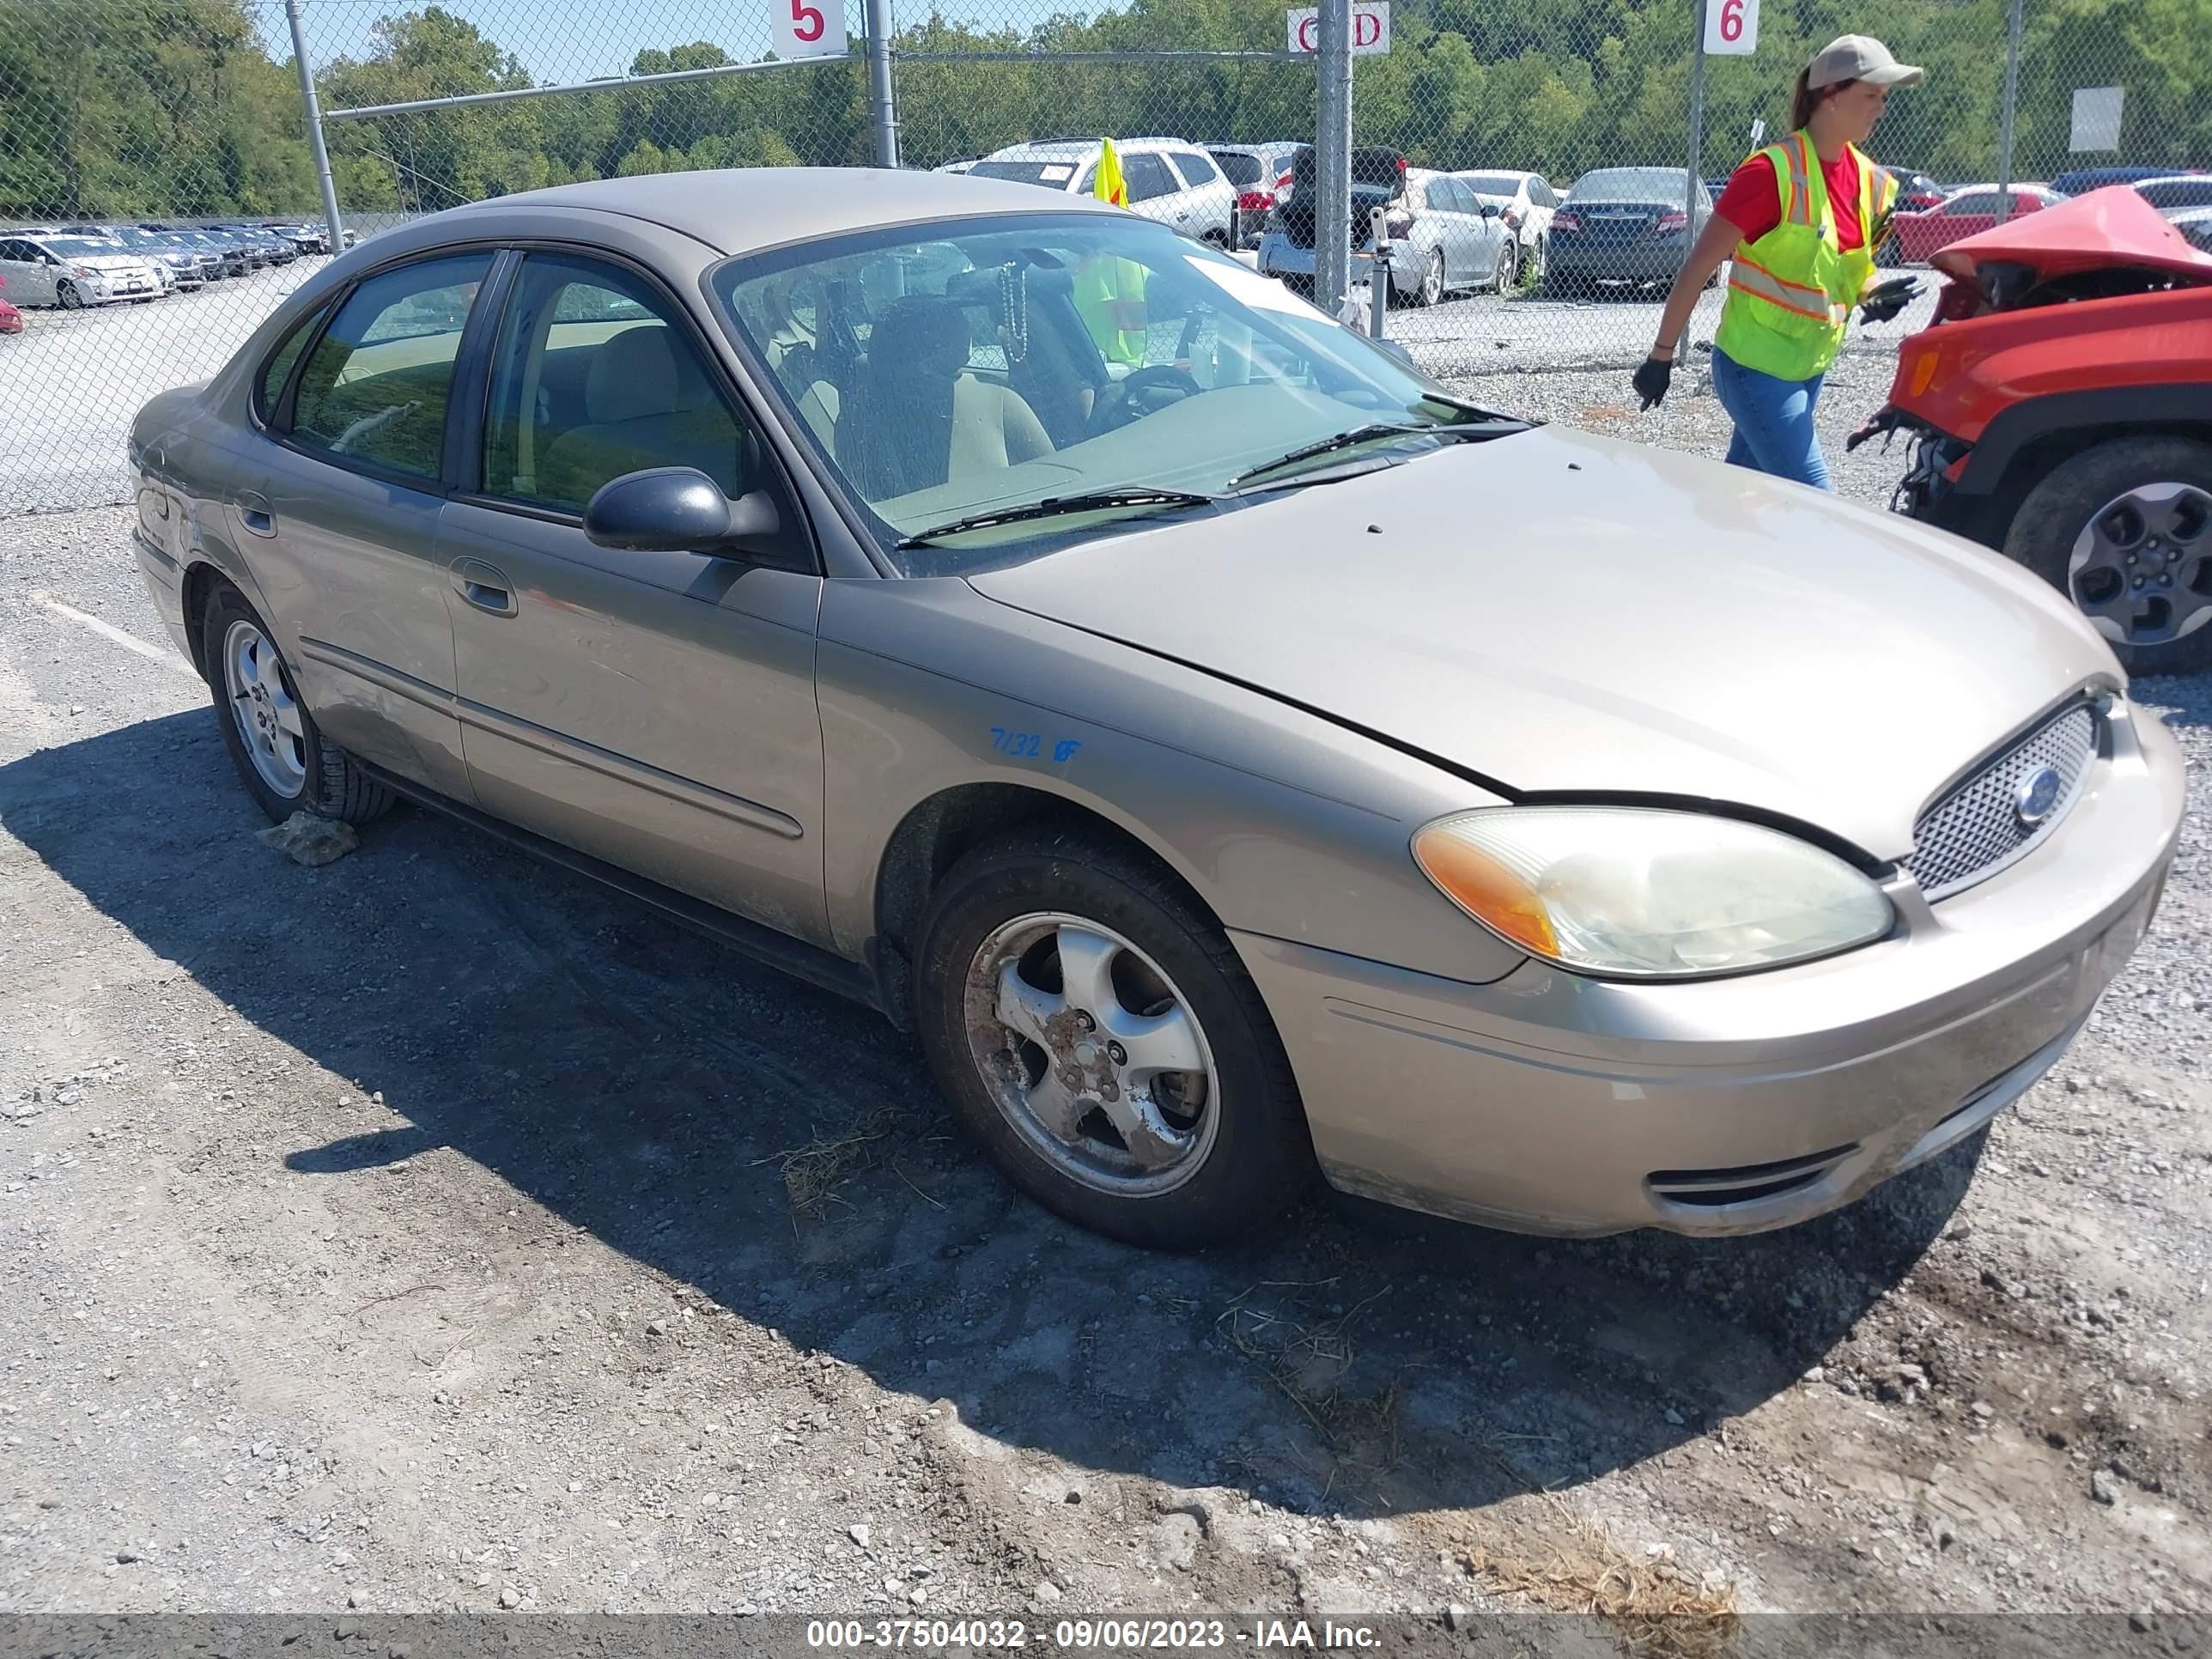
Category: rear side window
<point>374,389</point>
<point>1983,202</point>
<point>268,384</point>
<point>1194,167</point>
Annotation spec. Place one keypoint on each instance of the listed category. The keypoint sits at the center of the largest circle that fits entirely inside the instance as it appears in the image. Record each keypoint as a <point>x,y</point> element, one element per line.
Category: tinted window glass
<point>1980,201</point>
<point>1194,167</point>
<point>1053,173</point>
<point>1492,183</point>
<point>269,387</point>
<point>1240,169</point>
<point>1147,177</point>
<point>376,385</point>
<point>1631,185</point>
<point>592,378</point>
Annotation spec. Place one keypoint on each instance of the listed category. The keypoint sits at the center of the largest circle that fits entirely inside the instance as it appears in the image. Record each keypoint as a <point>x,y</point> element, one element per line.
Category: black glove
<point>1885,299</point>
<point>1650,380</point>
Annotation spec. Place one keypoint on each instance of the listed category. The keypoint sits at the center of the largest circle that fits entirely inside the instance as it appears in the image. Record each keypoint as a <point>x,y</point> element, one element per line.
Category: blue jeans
<point>1773,422</point>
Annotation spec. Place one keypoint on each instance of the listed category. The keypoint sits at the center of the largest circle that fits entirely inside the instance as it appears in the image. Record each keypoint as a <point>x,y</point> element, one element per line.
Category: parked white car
<point>1170,181</point>
<point>71,271</point>
<point>1529,202</point>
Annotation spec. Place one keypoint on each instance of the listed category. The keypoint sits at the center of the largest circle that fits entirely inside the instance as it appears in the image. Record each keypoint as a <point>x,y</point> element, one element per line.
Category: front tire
<point>2125,530</point>
<point>67,296</point>
<point>285,762</point>
<point>1094,1028</point>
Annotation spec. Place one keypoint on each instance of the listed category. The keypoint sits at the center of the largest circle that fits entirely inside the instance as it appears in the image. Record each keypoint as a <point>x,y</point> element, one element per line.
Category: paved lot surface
<point>420,1232</point>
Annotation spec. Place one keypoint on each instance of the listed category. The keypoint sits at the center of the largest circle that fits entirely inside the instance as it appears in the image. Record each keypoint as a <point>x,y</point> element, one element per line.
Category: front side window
<point>375,387</point>
<point>1148,177</point>
<point>593,377</point>
<point>986,364</point>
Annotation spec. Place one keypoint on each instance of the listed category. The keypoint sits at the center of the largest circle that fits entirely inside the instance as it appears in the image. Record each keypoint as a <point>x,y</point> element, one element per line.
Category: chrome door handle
<point>484,585</point>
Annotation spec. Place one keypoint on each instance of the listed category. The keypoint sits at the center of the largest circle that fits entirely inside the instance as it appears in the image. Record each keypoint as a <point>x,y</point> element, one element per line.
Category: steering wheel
<point>1145,391</point>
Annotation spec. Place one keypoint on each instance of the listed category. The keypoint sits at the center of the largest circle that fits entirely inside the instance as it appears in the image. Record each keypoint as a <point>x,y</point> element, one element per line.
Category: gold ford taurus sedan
<point>1235,757</point>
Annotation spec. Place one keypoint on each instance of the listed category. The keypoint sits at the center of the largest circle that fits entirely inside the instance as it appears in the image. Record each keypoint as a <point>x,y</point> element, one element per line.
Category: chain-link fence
<point>1547,204</point>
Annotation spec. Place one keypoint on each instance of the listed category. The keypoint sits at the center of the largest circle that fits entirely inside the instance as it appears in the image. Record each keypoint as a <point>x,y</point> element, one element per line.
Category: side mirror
<point>677,509</point>
<point>1396,348</point>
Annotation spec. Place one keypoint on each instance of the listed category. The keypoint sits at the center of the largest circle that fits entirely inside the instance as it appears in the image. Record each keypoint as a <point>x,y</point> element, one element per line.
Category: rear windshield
<point>1241,169</point>
<point>1491,183</point>
<point>1631,185</point>
<point>1053,173</point>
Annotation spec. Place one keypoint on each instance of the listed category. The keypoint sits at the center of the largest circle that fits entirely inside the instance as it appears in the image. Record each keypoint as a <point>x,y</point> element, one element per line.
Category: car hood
<point>1558,612</point>
<point>2108,228</point>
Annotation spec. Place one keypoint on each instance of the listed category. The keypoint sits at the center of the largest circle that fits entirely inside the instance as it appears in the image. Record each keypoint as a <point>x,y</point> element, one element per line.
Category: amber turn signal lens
<point>1486,889</point>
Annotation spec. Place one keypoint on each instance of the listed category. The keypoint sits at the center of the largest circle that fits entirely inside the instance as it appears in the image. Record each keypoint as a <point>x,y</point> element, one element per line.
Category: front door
<point>341,526</point>
<point>30,274</point>
<point>655,710</point>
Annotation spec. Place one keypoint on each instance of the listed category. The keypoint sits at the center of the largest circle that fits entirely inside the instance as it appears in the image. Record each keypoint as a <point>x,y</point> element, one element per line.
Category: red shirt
<point>1752,201</point>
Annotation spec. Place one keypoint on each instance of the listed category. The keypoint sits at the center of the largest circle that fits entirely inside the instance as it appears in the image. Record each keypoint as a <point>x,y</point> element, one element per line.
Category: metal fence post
<point>2005,114</point>
<point>1333,158</point>
<point>1695,186</point>
<point>315,130</point>
<point>883,106</point>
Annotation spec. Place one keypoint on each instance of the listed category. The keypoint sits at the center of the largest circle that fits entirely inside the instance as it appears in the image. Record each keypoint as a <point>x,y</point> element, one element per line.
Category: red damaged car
<point>2061,406</point>
<point>11,320</point>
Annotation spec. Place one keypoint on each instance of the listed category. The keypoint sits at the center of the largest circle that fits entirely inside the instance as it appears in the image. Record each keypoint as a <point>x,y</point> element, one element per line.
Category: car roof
<point>744,209</point>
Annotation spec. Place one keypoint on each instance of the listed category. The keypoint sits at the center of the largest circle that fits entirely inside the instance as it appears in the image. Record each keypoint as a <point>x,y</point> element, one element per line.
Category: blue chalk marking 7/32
<point>1028,746</point>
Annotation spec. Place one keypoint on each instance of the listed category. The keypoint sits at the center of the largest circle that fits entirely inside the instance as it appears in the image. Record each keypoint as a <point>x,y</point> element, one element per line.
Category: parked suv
<point>1261,176</point>
<point>1173,182</point>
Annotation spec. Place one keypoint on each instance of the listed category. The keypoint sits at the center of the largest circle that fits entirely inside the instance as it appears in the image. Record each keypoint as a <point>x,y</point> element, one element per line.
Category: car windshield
<point>80,247</point>
<point>1055,173</point>
<point>1629,184</point>
<point>1491,183</point>
<point>990,366</point>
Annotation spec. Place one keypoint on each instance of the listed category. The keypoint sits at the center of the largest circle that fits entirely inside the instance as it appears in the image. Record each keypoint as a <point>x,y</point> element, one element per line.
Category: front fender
<point>1284,823</point>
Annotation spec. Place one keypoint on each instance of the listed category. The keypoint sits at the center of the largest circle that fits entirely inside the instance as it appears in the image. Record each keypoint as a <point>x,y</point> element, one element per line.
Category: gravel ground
<point>424,1231</point>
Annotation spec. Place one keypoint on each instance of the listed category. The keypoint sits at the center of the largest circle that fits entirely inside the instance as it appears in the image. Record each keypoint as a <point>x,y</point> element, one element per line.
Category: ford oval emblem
<point>2037,795</point>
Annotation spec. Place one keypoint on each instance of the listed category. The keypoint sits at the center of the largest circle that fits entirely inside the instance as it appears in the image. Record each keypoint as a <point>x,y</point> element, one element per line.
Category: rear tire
<point>2143,499</point>
<point>1431,288</point>
<point>1233,1151</point>
<point>1507,276</point>
<point>285,762</point>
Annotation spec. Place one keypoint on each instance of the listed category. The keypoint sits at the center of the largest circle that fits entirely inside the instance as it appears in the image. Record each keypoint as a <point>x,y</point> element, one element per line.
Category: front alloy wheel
<point>1096,1031</point>
<point>1092,1054</point>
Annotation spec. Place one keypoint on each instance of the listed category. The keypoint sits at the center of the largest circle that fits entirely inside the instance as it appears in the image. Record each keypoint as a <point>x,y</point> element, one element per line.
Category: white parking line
<point>168,659</point>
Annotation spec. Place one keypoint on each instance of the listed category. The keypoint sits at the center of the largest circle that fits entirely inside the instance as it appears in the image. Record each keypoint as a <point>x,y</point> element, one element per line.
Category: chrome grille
<point>1975,830</point>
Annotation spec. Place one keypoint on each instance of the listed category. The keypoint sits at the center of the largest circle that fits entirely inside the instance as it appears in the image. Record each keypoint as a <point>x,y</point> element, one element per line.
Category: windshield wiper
<point>1360,435</point>
<point>1053,507</point>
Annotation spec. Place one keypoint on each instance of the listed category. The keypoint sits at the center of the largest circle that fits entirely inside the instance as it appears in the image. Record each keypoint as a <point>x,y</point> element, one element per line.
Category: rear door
<point>654,710</point>
<point>1154,191</point>
<point>341,526</point>
<point>30,278</point>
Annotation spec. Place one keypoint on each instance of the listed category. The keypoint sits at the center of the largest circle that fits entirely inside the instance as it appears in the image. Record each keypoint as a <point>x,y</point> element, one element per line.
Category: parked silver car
<point>1445,239</point>
<point>1172,752</point>
<point>72,271</point>
<point>181,267</point>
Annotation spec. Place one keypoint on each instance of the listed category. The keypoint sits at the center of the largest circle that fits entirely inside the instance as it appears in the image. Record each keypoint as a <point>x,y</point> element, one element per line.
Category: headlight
<point>1632,892</point>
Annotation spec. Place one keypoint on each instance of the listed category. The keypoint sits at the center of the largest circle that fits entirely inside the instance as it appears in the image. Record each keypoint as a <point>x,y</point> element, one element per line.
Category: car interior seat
<point>917,418</point>
<point>647,403</point>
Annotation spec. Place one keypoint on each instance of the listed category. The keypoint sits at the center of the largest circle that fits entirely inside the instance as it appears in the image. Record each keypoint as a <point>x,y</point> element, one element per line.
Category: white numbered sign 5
<point>809,28</point>
<point>1731,26</point>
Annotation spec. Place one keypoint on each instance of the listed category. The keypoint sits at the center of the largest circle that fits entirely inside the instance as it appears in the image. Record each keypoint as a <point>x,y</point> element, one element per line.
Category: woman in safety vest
<point>1800,220</point>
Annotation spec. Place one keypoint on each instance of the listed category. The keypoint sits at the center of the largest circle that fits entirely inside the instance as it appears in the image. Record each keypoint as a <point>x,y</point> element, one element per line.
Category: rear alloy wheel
<point>1509,264</point>
<point>1097,1032</point>
<point>67,296</point>
<point>1540,259</point>
<point>286,763</point>
<point>2125,530</point>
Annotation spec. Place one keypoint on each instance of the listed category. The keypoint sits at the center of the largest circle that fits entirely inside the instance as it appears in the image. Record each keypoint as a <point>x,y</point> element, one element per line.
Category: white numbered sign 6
<point>1731,26</point>
<point>809,28</point>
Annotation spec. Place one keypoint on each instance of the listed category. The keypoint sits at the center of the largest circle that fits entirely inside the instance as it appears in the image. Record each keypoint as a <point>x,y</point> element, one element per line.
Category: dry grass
<point>815,1174</point>
<point>1306,1357</point>
<point>1659,1611</point>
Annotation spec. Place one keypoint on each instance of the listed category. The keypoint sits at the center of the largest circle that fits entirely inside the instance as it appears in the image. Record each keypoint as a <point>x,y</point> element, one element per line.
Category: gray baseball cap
<point>1861,57</point>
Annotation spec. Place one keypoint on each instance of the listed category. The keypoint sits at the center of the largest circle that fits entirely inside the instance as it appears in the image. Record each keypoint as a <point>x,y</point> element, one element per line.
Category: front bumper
<point>1549,1104</point>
